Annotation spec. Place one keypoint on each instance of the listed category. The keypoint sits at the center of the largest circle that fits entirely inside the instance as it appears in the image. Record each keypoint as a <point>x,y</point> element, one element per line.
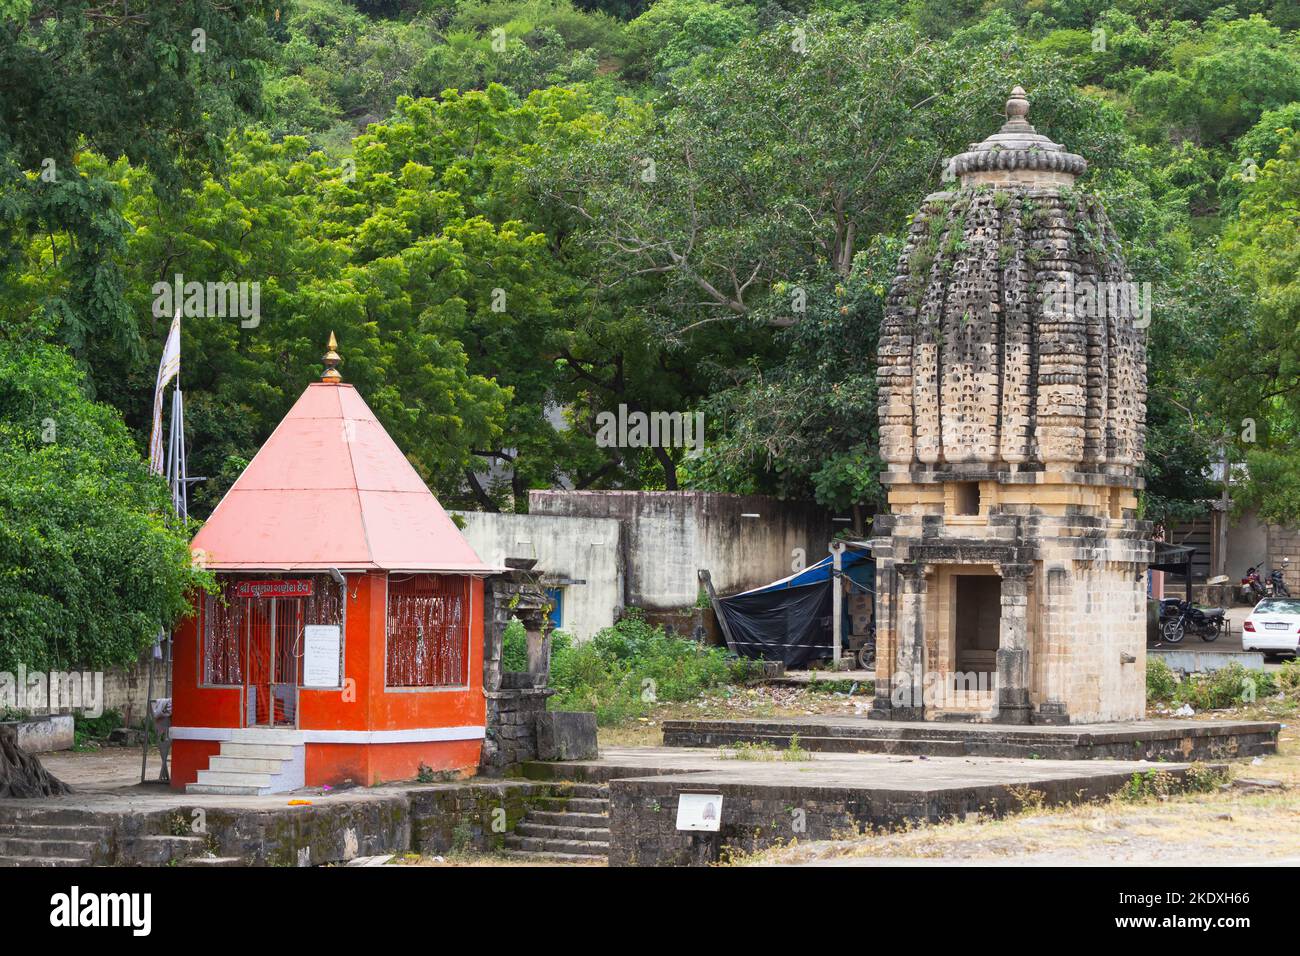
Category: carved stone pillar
<point>906,700</point>
<point>1057,592</point>
<point>1013,646</point>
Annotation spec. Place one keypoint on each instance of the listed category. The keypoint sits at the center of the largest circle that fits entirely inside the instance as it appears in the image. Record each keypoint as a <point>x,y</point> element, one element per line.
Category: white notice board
<point>699,811</point>
<point>320,655</point>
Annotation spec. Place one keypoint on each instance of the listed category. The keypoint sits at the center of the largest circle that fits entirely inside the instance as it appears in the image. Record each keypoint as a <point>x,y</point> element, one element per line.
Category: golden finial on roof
<point>331,360</point>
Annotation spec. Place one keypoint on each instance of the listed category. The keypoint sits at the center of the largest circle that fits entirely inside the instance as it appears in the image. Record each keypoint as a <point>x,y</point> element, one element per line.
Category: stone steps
<point>55,831</point>
<point>55,836</point>
<point>587,848</point>
<point>27,847</point>
<point>548,855</point>
<point>583,791</point>
<point>43,861</point>
<point>578,834</point>
<point>575,805</point>
<point>47,816</point>
<point>932,747</point>
<point>554,818</point>
<point>162,849</point>
<point>213,861</point>
<point>573,826</point>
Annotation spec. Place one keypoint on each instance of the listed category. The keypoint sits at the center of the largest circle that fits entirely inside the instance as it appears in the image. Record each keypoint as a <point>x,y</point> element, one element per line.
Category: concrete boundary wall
<point>575,549</point>
<point>743,540</point>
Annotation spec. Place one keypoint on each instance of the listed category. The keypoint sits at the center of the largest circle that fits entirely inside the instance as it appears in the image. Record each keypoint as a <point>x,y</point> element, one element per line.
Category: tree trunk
<point>21,774</point>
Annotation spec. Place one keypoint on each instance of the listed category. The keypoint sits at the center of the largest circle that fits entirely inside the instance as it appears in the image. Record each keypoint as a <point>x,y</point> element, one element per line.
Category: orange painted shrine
<point>346,641</point>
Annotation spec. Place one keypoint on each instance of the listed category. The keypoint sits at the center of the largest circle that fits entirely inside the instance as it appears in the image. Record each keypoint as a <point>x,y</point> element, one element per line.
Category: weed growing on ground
<point>795,751</point>
<point>747,751</point>
<point>625,669</point>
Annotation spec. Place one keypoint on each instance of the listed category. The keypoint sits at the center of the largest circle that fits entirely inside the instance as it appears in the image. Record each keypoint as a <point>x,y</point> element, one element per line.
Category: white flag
<point>168,369</point>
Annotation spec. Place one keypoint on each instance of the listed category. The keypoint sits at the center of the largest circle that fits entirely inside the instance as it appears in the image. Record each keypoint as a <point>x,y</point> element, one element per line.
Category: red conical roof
<point>331,489</point>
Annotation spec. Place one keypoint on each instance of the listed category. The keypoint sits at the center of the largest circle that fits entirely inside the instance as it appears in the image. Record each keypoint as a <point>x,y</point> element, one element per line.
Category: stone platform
<point>148,825</point>
<point>1180,740</point>
<point>831,795</point>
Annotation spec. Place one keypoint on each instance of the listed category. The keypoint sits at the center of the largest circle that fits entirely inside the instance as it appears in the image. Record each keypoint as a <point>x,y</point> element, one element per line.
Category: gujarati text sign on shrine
<point>287,588</point>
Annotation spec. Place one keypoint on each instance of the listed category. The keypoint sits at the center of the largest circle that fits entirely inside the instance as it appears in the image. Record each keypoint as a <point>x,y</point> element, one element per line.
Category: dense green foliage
<point>625,669</point>
<point>519,214</point>
<point>88,570</point>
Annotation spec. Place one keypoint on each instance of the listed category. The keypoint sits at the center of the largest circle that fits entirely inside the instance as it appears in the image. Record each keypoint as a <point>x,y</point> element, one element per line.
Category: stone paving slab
<point>1166,739</point>
<point>768,802</point>
<point>842,771</point>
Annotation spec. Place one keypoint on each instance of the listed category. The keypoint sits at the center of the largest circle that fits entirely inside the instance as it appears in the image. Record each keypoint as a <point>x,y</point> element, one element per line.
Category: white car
<point>1273,627</point>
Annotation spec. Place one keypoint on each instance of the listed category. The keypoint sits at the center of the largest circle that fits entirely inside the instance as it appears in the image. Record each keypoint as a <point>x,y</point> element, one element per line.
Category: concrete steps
<point>571,828</point>
<point>253,762</point>
<point>267,735</point>
<point>269,765</point>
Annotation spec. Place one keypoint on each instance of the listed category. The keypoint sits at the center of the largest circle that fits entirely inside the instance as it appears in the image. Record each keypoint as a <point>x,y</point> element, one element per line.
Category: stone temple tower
<point>1012,381</point>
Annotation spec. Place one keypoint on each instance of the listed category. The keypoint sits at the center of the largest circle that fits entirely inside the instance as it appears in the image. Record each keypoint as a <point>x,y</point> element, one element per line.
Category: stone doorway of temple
<point>977,626</point>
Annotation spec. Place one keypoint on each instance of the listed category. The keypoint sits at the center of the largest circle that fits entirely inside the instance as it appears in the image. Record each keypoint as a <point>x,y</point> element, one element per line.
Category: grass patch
<point>624,670</point>
<point>88,732</point>
<point>1231,686</point>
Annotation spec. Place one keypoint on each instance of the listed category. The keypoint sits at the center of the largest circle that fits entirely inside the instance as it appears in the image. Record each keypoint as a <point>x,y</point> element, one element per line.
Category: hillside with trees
<point>518,214</point>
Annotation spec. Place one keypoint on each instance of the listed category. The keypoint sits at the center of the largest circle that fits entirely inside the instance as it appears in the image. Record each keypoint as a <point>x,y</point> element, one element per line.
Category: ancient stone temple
<point>1012,379</point>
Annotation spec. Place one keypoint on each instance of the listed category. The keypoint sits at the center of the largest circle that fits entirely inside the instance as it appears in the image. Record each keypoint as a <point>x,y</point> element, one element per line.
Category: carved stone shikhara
<point>1012,383</point>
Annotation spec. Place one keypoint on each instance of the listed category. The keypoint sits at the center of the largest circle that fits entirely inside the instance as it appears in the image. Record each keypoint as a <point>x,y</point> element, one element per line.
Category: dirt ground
<point>1253,820</point>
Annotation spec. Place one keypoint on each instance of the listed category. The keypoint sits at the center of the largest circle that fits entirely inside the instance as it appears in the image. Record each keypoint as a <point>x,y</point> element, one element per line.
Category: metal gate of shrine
<point>253,638</point>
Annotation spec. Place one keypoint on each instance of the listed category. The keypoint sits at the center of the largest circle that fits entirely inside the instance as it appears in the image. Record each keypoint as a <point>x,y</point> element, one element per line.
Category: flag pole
<point>170,463</point>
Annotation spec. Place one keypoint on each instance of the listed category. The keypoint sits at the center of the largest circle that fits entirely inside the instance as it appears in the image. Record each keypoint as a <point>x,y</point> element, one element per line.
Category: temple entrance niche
<point>253,630</point>
<point>977,624</point>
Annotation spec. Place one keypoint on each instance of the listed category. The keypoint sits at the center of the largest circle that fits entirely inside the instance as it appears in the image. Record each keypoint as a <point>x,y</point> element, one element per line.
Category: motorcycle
<point>1277,582</point>
<point>1180,618</point>
<point>1254,588</point>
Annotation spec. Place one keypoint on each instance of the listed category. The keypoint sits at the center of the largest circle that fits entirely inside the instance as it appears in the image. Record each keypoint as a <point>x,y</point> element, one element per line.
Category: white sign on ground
<point>699,811</point>
<point>320,655</point>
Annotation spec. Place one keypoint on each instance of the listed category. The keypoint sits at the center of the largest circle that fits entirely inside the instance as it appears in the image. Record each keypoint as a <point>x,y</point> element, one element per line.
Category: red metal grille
<point>223,637</point>
<point>428,631</point>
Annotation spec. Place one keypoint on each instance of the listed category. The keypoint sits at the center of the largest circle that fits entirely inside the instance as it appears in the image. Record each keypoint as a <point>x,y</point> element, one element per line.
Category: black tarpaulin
<point>787,624</point>
<point>790,620</point>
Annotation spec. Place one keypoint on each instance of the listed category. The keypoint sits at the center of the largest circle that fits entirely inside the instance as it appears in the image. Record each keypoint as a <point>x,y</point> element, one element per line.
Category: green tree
<point>1260,370</point>
<point>158,83</point>
<point>89,569</point>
